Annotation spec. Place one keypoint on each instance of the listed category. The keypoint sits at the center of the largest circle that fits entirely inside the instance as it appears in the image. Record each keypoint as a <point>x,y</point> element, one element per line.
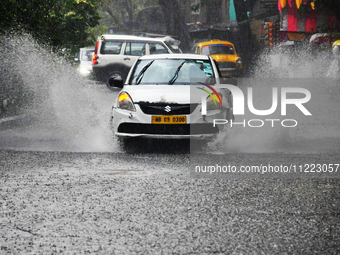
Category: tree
<point>175,22</point>
<point>244,39</point>
<point>121,13</point>
<point>60,23</point>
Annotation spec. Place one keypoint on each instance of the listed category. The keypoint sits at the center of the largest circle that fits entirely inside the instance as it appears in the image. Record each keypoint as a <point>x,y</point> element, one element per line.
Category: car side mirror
<point>116,81</point>
<point>229,80</point>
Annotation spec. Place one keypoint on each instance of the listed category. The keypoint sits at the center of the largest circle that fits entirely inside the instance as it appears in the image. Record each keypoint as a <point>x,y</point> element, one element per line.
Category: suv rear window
<point>111,47</point>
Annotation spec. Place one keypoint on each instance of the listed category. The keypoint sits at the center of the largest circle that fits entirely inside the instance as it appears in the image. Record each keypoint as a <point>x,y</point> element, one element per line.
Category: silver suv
<point>115,54</point>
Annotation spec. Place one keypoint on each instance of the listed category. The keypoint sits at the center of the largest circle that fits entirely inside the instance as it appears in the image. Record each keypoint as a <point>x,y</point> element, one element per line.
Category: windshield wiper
<point>174,78</point>
<point>141,73</point>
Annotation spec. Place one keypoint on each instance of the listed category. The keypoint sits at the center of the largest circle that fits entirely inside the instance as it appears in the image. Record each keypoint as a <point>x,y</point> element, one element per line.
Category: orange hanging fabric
<point>298,3</point>
<point>283,3</point>
<point>312,4</point>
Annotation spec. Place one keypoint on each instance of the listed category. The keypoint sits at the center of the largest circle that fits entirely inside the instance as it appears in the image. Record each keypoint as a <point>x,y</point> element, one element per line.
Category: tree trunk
<point>175,22</point>
<point>128,7</point>
<point>107,9</point>
<point>244,38</point>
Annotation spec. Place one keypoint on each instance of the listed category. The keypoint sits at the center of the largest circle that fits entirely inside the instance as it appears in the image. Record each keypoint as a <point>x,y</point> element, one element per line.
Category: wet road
<point>67,187</point>
<point>111,203</point>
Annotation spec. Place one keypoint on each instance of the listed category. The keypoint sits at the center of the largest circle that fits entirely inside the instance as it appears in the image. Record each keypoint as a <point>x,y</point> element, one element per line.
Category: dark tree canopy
<point>175,22</point>
<point>61,23</point>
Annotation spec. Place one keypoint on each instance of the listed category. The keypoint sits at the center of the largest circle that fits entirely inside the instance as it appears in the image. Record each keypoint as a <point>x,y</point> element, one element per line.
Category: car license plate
<point>169,120</point>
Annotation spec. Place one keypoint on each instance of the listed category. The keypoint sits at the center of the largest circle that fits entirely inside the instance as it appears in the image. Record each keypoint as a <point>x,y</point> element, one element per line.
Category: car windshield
<point>218,49</point>
<point>171,71</point>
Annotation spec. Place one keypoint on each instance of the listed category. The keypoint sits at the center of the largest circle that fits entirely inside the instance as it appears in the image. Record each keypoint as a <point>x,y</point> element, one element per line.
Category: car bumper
<point>174,137</point>
<point>138,124</point>
<point>231,71</point>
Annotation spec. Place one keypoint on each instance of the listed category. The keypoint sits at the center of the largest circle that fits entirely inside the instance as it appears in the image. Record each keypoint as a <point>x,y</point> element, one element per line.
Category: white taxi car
<point>162,98</point>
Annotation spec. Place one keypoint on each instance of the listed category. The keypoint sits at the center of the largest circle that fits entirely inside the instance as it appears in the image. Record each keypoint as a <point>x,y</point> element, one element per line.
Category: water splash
<point>299,61</point>
<point>64,109</point>
<point>319,133</point>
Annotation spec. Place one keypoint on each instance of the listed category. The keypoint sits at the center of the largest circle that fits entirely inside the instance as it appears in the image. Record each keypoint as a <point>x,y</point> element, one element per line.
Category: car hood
<point>175,94</point>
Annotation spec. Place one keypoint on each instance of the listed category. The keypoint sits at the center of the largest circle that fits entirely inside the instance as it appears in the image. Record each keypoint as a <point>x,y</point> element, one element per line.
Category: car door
<point>132,51</point>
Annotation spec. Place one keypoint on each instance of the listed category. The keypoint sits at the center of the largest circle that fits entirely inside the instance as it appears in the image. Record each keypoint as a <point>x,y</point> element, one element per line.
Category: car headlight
<point>213,102</point>
<point>239,61</point>
<point>84,71</point>
<point>125,102</point>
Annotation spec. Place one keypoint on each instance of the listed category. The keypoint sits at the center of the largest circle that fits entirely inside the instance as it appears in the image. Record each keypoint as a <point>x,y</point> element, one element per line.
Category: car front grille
<point>168,129</point>
<point>167,109</point>
<point>227,65</point>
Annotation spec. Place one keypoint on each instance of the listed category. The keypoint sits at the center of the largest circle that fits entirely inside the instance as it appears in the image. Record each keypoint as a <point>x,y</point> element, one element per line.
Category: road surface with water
<point>66,186</point>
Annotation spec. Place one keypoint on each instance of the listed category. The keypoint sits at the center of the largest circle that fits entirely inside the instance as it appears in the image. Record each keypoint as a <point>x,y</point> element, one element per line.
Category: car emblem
<point>167,108</point>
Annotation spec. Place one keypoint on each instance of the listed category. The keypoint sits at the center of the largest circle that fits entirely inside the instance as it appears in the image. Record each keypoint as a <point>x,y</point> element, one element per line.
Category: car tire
<point>116,70</point>
<point>103,74</point>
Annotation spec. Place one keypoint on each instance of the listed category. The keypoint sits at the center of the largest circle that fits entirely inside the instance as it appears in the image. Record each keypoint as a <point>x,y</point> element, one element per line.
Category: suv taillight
<point>94,59</point>
<point>95,56</point>
<point>96,49</point>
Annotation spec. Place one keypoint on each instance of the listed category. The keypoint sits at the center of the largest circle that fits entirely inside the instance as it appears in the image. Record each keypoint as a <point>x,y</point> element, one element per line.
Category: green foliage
<point>121,14</point>
<point>60,23</point>
<point>94,32</point>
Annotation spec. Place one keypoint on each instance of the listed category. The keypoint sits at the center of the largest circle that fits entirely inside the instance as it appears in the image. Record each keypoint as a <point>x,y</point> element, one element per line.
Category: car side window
<point>135,48</point>
<point>197,50</point>
<point>157,48</point>
<point>205,50</point>
<point>111,47</point>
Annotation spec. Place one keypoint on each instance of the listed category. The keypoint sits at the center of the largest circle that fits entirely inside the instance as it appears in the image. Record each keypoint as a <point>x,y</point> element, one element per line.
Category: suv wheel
<point>120,70</point>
